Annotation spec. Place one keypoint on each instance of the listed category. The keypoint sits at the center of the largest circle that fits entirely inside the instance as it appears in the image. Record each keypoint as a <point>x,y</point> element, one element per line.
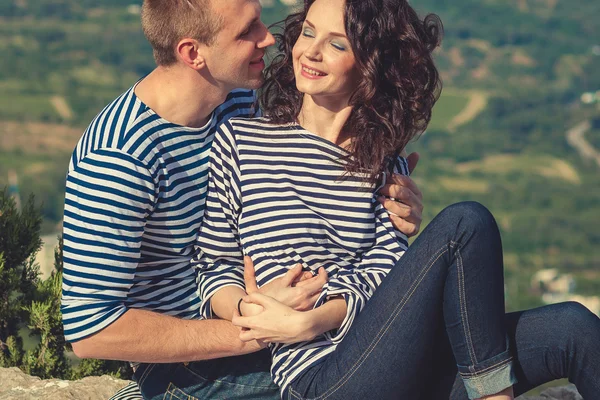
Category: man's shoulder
<point>238,103</point>
<point>111,126</point>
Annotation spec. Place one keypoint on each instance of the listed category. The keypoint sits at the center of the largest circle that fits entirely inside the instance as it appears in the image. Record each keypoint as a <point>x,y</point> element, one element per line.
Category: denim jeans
<point>436,327</point>
<point>244,377</point>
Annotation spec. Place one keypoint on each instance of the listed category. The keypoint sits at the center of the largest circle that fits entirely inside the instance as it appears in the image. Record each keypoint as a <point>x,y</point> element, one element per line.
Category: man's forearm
<point>149,337</point>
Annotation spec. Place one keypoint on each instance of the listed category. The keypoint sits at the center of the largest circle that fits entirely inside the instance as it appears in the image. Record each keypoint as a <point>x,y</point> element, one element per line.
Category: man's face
<point>235,59</point>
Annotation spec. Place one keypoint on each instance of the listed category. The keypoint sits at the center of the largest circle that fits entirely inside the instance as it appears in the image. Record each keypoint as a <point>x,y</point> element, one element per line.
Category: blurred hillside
<point>514,73</point>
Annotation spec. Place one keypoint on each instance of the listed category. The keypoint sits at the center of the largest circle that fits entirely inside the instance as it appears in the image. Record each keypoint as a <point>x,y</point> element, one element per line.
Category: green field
<point>447,107</point>
<point>23,107</point>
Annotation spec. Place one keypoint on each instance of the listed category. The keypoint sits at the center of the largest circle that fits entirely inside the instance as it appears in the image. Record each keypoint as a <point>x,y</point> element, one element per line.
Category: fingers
<point>292,275</point>
<point>413,160</point>
<point>410,214</point>
<point>408,228</point>
<point>259,299</point>
<point>315,283</point>
<point>249,275</point>
<point>402,188</point>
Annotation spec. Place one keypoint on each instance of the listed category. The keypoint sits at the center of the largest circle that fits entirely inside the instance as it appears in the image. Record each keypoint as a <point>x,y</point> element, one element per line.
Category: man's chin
<point>255,83</point>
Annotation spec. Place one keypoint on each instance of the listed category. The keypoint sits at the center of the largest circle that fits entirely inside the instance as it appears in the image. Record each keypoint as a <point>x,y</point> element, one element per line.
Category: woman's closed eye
<point>338,46</point>
<point>308,33</point>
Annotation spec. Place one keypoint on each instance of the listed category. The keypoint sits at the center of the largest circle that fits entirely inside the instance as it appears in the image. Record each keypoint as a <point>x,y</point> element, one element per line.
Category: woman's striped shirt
<point>278,194</point>
<point>135,194</point>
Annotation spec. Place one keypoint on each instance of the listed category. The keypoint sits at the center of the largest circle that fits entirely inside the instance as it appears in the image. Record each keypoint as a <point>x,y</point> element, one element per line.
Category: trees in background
<point>30,307</point>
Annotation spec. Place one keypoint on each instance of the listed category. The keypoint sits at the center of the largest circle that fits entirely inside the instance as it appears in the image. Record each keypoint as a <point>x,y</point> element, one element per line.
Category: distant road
<point>576,138</point>
<point>62,107</point>
<point>477,103</point>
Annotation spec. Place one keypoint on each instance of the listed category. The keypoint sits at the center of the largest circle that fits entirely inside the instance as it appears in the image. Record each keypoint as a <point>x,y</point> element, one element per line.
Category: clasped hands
<point>274,313</point>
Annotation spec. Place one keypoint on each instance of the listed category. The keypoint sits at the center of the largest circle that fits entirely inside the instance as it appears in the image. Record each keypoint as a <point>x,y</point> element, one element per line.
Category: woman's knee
<point>470,215</point>
<point>577,319</point>
<point>572,324</point>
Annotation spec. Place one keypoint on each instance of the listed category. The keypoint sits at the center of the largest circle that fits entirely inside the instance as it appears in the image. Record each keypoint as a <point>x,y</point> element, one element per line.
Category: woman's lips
<point>311,73</point>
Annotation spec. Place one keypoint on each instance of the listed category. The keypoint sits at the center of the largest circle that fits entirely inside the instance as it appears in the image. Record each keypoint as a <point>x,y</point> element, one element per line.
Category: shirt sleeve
<point>358,284</point>
<point>109,195</point>
<point>220,262</point>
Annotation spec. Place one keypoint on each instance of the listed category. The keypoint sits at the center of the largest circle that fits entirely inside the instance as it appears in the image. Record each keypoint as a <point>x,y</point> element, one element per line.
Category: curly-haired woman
<point>354,83</point>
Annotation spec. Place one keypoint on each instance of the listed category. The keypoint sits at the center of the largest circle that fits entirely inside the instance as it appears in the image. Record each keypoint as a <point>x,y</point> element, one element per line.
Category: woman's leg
<point>451,275</point>
<point>548,343</point>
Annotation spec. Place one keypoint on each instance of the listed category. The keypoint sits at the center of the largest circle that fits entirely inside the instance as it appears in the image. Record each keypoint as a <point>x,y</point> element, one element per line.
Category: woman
<point>354,84</point>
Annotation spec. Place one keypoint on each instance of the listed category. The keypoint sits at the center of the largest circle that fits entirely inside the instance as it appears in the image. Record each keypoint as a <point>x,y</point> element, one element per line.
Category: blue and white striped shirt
<point>276,194</point>
<point>135,194</point>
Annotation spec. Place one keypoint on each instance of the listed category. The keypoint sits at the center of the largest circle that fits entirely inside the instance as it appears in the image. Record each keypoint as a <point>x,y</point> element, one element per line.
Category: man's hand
<point>406,209</point>
<point>296,289</point>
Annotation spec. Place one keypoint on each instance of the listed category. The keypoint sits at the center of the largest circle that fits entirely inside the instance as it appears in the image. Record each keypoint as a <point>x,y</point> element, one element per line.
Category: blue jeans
<point>436,327</point>
<point>244,377</point>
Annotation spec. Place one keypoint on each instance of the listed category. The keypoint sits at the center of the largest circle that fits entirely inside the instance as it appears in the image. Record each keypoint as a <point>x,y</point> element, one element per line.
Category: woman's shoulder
<point>257,123</point>
<point>258,127</point>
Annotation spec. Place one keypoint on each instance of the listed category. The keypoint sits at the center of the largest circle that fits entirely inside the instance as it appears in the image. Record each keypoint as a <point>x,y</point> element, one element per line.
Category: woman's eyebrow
<point>331,33</point>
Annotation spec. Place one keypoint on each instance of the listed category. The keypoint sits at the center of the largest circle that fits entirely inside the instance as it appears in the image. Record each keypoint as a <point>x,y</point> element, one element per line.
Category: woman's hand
<point>407,207</point>
<point>296,289</point>
<point>277,323</point>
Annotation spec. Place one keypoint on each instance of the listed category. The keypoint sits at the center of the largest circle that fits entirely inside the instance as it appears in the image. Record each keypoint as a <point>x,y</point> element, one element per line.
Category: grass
<point>527,164</point>
<point>448,106</point>
<point>22,107</point>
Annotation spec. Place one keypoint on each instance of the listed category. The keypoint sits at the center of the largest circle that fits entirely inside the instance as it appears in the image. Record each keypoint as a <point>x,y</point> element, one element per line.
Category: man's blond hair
<point>166,22</point>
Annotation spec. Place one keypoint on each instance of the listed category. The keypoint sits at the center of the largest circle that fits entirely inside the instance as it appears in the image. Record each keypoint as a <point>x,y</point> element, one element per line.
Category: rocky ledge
<point>15,385</point>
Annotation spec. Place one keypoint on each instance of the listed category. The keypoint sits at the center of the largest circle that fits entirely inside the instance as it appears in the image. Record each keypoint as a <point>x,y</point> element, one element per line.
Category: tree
<point>25,300</point>
<point>48,359</point>
<point>19,275</point>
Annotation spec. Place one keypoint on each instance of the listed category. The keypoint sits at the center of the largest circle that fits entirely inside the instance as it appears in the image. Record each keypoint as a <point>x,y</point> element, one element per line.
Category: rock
<point>16,385</point>
<point>557,393</point>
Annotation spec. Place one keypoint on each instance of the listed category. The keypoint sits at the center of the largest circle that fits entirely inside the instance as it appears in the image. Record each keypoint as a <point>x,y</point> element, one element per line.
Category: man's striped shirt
<point>279,194</point>
<point>135,194</point>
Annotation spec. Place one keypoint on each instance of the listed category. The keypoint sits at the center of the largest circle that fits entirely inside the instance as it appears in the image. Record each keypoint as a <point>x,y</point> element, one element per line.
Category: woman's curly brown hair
<point>399,82</point>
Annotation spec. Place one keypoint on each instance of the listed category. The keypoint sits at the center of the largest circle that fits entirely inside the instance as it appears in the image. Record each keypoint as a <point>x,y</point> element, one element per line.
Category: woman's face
<point>324,63</point>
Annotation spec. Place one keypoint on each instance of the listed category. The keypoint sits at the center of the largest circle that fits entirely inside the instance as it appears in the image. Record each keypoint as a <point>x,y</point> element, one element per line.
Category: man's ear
<point>191,53</point>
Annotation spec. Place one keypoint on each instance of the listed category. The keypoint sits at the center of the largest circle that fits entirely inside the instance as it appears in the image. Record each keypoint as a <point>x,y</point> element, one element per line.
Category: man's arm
<point>149,337</point>
<point>108,197</point>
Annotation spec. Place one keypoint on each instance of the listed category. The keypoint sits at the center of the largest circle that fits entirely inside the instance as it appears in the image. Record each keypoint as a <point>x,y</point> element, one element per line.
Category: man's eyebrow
<point>247,26</point>
<point>331,33</point>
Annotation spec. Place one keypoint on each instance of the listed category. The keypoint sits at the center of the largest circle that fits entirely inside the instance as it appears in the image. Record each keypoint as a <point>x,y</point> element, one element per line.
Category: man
<point>135,199</point>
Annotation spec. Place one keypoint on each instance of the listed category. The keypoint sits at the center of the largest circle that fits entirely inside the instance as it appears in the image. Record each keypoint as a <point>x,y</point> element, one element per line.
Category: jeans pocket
<point>198,385</point>
<point>174,393</point>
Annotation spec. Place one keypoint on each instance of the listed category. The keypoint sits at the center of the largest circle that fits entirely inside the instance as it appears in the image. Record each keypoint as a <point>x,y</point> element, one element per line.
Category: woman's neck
<point>326,119</point>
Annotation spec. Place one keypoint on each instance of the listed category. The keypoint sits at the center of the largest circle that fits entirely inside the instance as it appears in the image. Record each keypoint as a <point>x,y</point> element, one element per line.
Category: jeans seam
<point>383,330</point>
<point>465,317</point>
<point>463,304</point>
<point>485,370</point>
<point>171,391</point>
<point>145,374</point>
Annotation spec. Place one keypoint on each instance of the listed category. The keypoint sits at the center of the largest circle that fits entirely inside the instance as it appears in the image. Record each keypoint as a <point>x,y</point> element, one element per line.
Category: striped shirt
<point>275,194</point>
<point>135,194</point>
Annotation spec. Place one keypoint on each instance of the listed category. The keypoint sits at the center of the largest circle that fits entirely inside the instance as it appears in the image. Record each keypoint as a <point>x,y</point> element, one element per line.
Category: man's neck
<point>180,95</point>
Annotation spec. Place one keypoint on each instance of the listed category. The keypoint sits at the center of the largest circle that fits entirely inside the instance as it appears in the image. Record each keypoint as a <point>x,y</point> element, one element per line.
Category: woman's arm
<point>277,323</point>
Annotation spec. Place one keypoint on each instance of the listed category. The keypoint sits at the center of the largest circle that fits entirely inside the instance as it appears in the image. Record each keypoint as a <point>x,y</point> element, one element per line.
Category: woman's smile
<point>312,73</point>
